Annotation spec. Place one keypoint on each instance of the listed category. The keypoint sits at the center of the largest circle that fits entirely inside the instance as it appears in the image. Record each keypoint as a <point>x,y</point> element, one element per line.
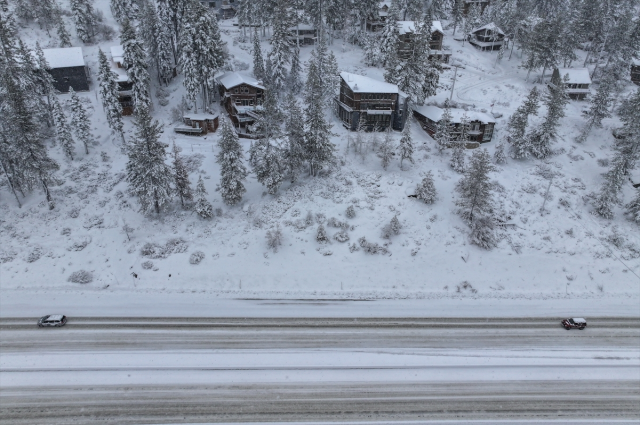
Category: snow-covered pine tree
<point>280,53</point>
<point>321,234</point>
<point>109,92</point>
<point>181,176</point>
<point>265,156</point>
<point>44,80</point>
<point>157,39</point>
<point>63,34</point>
<point>85,19</point>
<point>426,189</point>
<point>202,206</point>
<point>294,153</point>
<point>318,147</point>
<point>633,208</point>
<point>118,9</point>
<point>443,136</point>
<point>135,61</point>
<point>520,145</point>
<point>80,121</point>
<point>406,148</point>
<point>457,14</point>
<point>475,202</point>
<point>63,132</point>
<point>457,161</point>
<point>598,105</point>
<point>555,100</point>
<point>295,72</point>
<point>149,177</point>
<point>386,150</point>
<point>389,38</point>
<point>499,156</point>
<point>258,61</point>
<point>331,78</point>
<point>372,55</point>
<point>609,193</point>
<point>47,14</point>
<point>232,169</point>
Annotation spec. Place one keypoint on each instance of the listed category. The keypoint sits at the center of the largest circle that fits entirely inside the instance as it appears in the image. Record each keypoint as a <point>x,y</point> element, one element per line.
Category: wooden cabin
<point>241,96</point>
<point>407,31</point>
<point>578,81</point>
<point>487,37</point>
<point>68,69</point>
<point>480,129</point>
<point>198,124</point>
<point>125,85</point>
<point>368,104</point>
<point>376,21</point>
<point>635,71</point>
<point>303,35</point>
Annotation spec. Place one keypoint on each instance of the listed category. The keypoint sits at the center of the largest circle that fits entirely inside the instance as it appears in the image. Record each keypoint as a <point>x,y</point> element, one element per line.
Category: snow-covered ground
<point>562,253</point>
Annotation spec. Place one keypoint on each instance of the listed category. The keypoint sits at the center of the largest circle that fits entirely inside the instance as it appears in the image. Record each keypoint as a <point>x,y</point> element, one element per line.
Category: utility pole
<point>454,80</point>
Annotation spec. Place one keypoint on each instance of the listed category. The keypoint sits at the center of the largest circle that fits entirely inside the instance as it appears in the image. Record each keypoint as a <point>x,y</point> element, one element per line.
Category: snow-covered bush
<point>7,256</point>
<point>74,212</point>
<point>371,247</point>
<point>426,190</point>
<point>80,244</point>
<point>34,255</point>
<point>391,229</point>
<point>321,234</point>
<point>176,246</point>
<point>81,276</point>
<point>351,211</point>
<point>196,257</point>
<point>274,238</point>
<point>147,265</point>
<point>153,250</point>
<point>66,231</point>
<point>93,221</point>
<point>341,236</point>
<point>308,220</point>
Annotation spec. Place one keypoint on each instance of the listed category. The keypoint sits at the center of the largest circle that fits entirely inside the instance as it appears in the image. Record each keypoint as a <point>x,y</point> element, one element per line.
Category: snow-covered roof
<point>635,61</point>
<point>56,316</point>
<point>201,117</point>
<point>361,84</point>
<point>302,27</point>
<point>117,53</point>
<point>579,320</point>
<point>492,27</point>
<point>410,26</point>
<point>435,114</point>
<point>576,75</point>
<point>232,79</point>
<point>64,57</point>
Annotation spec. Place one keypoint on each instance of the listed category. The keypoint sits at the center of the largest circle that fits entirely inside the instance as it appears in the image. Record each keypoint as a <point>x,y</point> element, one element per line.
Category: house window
<point>488,133</point>
<point>235,90</point>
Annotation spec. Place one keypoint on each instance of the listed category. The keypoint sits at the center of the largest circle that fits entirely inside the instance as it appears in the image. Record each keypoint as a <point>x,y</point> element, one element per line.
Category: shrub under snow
<point>196,257</point>
<point>81,276</point>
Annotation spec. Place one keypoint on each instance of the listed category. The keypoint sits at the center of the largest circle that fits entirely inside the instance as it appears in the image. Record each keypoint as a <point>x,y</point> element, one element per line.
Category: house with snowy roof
<point>303,35</point>
<point>576,81</point>
<point>480,128</point>
<point>376,21</point>
<point>407,31</point>
<point>635,71</point>
<point>370,105</point>
<point>242,97</point>
<point>487,37</point>
<point>68,69</point>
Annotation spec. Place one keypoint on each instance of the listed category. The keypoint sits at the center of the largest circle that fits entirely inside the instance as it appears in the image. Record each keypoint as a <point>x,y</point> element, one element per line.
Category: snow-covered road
<point>173,370</point>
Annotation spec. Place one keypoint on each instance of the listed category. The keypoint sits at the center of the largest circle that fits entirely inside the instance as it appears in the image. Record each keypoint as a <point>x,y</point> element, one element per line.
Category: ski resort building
<point>303,35</point>
<point>198,124</point>
<point>406,39</point>
<point>481,125</point>
<point>578,81</point>
<point>125,85</point>
<point>241,96</point>
<point>487,37</point>
<point>68,69</point>
<point>635,71</point>
<point>369,104</point>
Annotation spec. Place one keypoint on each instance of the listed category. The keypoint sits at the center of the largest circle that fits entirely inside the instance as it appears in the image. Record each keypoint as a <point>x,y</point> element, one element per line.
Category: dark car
<point>575,322</point>
<point>52,320</point>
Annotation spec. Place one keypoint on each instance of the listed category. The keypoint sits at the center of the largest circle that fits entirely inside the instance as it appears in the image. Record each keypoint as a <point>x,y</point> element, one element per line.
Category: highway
<point>374,370</point>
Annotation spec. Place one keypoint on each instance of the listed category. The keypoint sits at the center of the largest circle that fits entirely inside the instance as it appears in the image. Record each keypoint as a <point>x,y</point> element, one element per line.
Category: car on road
<point>574,322</point>
<point>52,320</point>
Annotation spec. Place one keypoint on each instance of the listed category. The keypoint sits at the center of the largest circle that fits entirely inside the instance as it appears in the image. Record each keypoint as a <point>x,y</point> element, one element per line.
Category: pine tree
<point>406,149</point>
<point>321,234</point>
<point>443,136</point>
<point>633,208</point>
<point>520,145</point>
<point>63,132</point>
<point>389,38</point>
<point>118,10</point>
<point>426,190</point>
<point>202,207</point>
<point>85,20</point>
<point>318,147</point>
<point>156,38</point>
<point>109,92</point>
<point>295,77</point>
<point>280,53</point>
<point>475,203</point>
<point>294,153</point>
<point>265,156</point>
<point>148,175</point>
<point>258,61</point>
<point>499,156</point>
<point>232,169</point>
<point>80,121</point>
<point>458,157</point>
<point>555,100</point>
<point>135,61</point>
<point>372,54</point>
<point>386,150</point>
<point>63,34</point>
<point>45,81</point>
<point>181,177</point>
<point>598,106</point>
<point>457,15</point>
